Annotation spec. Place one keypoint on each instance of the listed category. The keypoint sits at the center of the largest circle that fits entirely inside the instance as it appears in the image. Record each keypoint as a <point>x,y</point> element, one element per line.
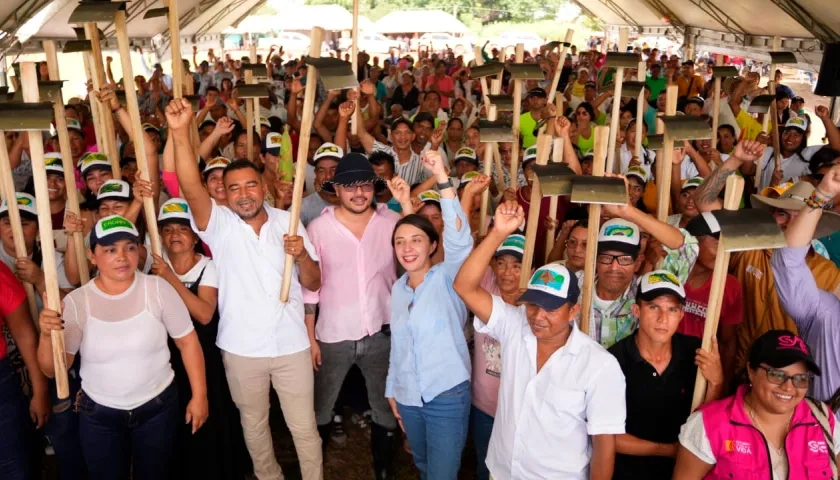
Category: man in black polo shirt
<point>659,366</point>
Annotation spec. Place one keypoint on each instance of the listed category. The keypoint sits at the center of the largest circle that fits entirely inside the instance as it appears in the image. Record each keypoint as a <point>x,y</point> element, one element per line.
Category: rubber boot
<point>383,444</point>
<point>324,432</point>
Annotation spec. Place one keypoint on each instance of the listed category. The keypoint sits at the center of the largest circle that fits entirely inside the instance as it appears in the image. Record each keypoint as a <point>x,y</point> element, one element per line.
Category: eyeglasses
<point>573,244</point>
<point>623,260</point>
<point>779,377</point>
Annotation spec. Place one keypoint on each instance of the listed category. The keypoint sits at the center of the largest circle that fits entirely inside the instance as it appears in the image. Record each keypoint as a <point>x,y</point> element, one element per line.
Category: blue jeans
<point>111,438</point>
<point>482,427</point>
<point>16,432</point>
<point>437,432</point>
<point>62,428</point>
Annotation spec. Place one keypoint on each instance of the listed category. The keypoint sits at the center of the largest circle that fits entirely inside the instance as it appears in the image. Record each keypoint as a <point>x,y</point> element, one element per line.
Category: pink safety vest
<point>742,453</point>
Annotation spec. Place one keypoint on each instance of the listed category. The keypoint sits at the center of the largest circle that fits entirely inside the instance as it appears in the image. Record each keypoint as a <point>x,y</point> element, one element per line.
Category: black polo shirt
<point>657,405</point>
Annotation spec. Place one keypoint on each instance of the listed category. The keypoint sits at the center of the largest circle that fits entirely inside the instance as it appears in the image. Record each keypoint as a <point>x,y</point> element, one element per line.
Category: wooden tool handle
<point>556,157</point>
<point>533,222</point>
<point>517,112</point>
<point>303,150</point>
<point>108,134</point>
<point>552,91</point>
<point>640,114</point>
<point>175,50</point>
<point>72,204</point>
<point>137,129</point>
<point>598,168</point>
<point>732,200</point>
<point>777,154</point>
<point>663,183</point>
<point>716,113</point>
<point>354,59</point>
<point>29,85</point>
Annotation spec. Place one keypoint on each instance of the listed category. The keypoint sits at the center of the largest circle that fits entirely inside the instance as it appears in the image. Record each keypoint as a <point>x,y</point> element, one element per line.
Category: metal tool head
<point>498,131</point>
<point>687,127</point>
<point>81,35</point>
<point>194,100</point>
<point>503,103</point>
<point>632,89</point>
<point>73,46</point>
<point>258,69</point>
<point>655,142</point>
<point>781,58</point>
<point>19,116</point>
<point>49,91</point>
<point>599,190</point>
<point>526,71</point>
<point>622,60</point>
<point>156,12</point>
<point>253,90</point>
<point>487,70</point>
<point>555,178</point>
<point>748,229</point>
<point>121,97</point>
<point>724,71</point>
<point>335,73</point>
<point>95,12</point>
<point>552,45</point>
<point>761,104</point>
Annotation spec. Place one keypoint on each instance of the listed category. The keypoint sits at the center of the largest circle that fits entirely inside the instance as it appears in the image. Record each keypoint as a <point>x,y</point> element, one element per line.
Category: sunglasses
<point>779,377</point>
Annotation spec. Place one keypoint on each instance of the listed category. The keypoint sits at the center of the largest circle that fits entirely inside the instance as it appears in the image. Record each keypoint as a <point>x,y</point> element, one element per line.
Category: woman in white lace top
<point>119,323</point>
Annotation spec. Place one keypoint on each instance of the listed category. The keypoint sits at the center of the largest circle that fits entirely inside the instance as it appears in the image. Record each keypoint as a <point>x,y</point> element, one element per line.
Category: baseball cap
<point>530,155</point>
<point>688,62</point>
<point>174,210</point>
<point>467,178</point>
<point>271,144</point>
<point>115,190</point>
<point>637,172</point>
<point>429,196</point>
<point>466,154</point>
<point>780,348</point>
<point>73,124</point>
<point>692,182</point>
<point>702,225</point>
<point>328,150</point>
<point>112,229</point>
<point>26,206</point>
<point>52,163</point>
<point>537,92</point>
<point>513,245</point>
<point>218,162</point>
<point>697,101</point>
<point>658,283</point>
<point>148,127</point>
<point>588,156</point>
<point>264,122</point>
<point>619,235</point>
<point>797,122</point>
<point>551,287</point>
<point>93,161</point>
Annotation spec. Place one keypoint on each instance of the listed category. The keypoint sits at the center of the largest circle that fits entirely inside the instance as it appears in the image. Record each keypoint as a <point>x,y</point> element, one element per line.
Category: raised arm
<point>562,128</point>
<point>207,148</point>
<point>706,196</point>
<point>667,235</point>
<point>345,110</point>
<point>831,130</point>
<point>509,217</point>
<point>318,123</point>
<point>291,109</point>
<point>179,118</point>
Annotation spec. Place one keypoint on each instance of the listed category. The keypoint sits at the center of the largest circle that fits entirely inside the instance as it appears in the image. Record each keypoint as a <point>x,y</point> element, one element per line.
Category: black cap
<point>688,63</point>
<point>703,225</point>
<point>537,92</point>
<point>780,348</point>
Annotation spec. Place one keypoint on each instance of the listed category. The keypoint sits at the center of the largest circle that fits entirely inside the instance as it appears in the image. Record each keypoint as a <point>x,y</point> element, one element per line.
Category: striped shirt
<point>412,172</point>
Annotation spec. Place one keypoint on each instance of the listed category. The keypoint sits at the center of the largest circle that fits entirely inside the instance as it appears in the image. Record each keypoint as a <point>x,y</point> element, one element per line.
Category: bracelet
<point>818,200</point>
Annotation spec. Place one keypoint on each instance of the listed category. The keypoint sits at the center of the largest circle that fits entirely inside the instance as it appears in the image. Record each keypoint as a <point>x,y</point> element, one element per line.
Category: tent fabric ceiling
<point>422,21</point>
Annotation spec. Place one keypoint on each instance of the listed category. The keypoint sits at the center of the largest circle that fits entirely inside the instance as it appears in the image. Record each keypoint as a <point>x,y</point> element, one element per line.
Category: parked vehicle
<point>532,41</point>
<point>370,42</point>
<point>440,41</point>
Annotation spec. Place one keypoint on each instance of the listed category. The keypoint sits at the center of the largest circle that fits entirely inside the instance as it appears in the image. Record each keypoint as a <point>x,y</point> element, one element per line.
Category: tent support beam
<point>621,13</point>
<point>18,18</point>
<point>722,18</point>
<point>817,28</point>
<point>659,8</point>
<point>588,13</point>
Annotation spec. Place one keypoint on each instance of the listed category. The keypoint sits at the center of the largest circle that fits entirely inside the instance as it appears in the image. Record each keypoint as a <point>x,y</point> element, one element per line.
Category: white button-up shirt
<point>544,419</point>
<point>254,323</point>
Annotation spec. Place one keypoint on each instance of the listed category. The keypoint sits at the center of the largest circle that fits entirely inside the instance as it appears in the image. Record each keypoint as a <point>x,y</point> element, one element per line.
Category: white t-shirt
<point>648,160</point>
<point>209,279</point>
<point>793,167</point>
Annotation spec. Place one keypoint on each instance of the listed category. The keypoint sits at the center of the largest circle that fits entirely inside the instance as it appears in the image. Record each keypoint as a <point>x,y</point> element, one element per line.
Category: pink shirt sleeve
<point>170,181</point>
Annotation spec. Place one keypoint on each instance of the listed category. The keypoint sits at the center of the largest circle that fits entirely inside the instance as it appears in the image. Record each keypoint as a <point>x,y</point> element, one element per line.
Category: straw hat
<point>794,199</point>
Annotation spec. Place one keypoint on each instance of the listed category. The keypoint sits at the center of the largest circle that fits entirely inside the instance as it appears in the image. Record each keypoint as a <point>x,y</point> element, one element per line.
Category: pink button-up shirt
<point>356,276</point>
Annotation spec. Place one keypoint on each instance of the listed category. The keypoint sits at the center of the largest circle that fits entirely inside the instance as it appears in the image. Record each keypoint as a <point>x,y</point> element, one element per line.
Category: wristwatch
<point>444,185</point>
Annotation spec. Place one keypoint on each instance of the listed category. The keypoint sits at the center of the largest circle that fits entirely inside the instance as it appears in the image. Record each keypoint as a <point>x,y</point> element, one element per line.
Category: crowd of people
<point>400,309</point>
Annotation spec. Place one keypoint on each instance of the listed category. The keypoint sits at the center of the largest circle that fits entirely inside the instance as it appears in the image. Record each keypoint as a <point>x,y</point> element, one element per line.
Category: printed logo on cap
<point>552,279</point>
<point>693,182</point>
<point>52,161</point>
<point>513,242</point>
<point>797,122</point>
<point>637,172</point>
<point>429,196</point>
<point>264,122</point>
<point>218,162</point>
<point>530,153</point>
<point>465,152</point>
<point>114,224</point>
<point>93,158</point>
<point>73,124</point>
<point>660,277</point>
<point>273,140</point>
<point>175,207</point>
<point>619,230</point>
<point>468,177</point>
<point>115,186</point>
<point>25,202</point>
<point>328,150</point>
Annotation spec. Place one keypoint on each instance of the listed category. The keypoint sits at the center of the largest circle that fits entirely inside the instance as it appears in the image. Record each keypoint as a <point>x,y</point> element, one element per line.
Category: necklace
<point>761,429</point>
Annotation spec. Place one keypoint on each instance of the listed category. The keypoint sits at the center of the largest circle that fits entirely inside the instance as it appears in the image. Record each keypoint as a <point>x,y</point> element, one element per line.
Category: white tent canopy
<point>420,21</point>
<point>304,17</point>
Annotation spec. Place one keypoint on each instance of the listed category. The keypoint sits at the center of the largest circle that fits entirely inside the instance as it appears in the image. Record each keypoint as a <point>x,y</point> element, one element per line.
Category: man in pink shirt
<point>442,84</point>
<point>353,241</point>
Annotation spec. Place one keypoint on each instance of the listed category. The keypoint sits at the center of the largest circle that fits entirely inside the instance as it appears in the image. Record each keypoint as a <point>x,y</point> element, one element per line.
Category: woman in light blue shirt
<point>428,384</point>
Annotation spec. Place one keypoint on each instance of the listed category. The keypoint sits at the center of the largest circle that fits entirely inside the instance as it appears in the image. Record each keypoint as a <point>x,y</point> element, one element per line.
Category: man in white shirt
<point>561,399</point>
<point>263,339</point>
